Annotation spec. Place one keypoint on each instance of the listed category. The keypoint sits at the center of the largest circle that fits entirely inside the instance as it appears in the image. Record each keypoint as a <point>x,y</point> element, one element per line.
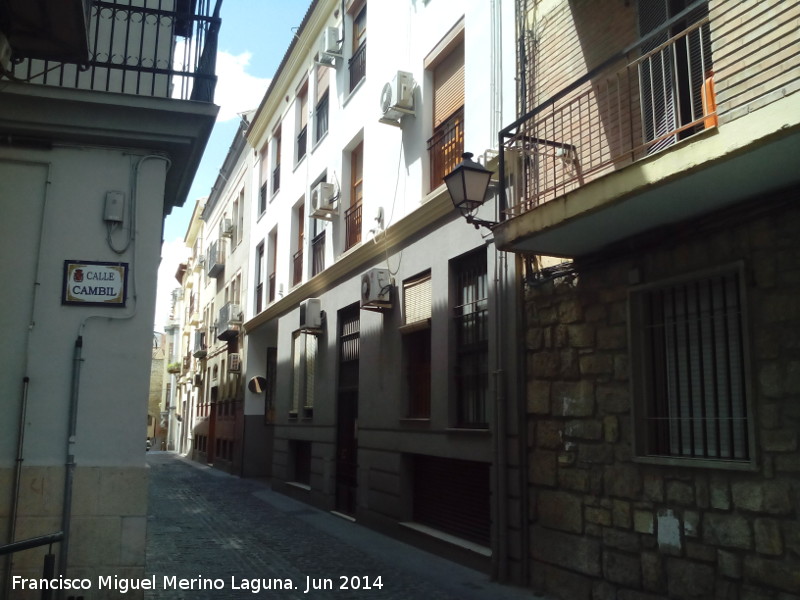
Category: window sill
<point>416,326</point>
<point>299,486</point>
<point>415,421</point>
<point>448,538</point>
<point>701,463</point>
<point>468,430</point>
<point>318,142</point>
<point>299,162</point>
<point>354,91</point>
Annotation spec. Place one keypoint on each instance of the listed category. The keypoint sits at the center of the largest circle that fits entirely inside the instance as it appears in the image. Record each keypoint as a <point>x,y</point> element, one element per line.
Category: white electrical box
<point>115,207</point>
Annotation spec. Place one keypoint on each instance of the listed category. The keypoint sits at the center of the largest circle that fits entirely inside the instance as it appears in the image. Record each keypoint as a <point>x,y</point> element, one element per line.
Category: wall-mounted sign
<point>93,283</point>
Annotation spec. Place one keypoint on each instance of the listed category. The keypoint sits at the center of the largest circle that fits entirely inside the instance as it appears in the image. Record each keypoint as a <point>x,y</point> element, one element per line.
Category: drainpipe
<point>70,464</point>
<point>26,379</point>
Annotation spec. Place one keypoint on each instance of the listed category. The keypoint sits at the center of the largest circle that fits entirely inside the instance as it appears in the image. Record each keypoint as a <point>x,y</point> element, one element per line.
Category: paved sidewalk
<point>213,529</point>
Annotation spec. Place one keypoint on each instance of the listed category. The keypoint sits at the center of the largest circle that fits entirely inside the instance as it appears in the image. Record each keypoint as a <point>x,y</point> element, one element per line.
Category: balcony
<point>358,66</point>
<point>446,147</point>
<point>648,139</point>
<point>200,347</point>
<point>109,46</point>
<point>215,258</point>
<point>318,253</point>
<point>297,267</point>
<point>352,225</point>
<point>230,322</point>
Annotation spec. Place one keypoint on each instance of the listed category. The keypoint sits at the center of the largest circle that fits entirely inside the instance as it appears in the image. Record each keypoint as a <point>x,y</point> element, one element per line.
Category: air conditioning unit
<point>225,228</point>
<point>323,198</point>
<point>329,47</point>
<point>397,98</point>
<point>234,363</point>
<point>311,315</point>
<point>376,289</point>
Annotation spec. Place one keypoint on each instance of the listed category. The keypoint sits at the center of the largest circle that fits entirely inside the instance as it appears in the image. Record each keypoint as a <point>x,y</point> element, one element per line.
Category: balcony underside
<point>40,116</point>
<point>743,159</point>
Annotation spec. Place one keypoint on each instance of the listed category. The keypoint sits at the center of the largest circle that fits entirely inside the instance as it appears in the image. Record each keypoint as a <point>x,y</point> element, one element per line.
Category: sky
<point>253,38</point>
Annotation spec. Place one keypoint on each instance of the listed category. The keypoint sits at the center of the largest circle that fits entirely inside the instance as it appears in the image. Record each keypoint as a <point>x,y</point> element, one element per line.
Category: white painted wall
<point>114,378</point>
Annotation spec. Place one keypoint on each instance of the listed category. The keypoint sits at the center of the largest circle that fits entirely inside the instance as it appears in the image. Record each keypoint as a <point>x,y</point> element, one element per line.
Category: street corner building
<point>587,385</point>
<point>94,153</point>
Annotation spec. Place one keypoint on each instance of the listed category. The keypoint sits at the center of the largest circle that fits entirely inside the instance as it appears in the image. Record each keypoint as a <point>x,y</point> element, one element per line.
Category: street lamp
<point>467,184</point>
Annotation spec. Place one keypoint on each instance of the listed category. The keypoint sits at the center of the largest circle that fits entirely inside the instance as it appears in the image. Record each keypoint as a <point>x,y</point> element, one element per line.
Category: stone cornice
<point>434,207</point>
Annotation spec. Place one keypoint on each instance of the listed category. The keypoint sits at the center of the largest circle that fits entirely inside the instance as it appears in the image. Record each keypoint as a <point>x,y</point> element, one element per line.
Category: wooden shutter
<point>302,98</point>
<point>417,299</point>
<point>448,85</point>
<point>323,82</point>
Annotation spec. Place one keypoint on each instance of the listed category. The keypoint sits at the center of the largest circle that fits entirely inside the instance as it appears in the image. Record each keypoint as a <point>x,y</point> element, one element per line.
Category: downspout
<point>70,464</point>
<point>25,385</point>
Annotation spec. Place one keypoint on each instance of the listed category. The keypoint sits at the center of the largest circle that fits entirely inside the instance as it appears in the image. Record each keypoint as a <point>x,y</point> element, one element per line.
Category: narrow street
<point>215,530</point>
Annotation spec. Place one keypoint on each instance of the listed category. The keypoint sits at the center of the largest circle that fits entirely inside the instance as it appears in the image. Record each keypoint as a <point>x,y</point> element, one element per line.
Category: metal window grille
<point>472,335</point>
<point>321,115</point>
<point>689,357</point>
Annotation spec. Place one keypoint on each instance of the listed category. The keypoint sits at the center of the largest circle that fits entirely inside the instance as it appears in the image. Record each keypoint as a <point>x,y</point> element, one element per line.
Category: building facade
<point>94,155</point>
<point>375,313</point>
<point>658,192</point>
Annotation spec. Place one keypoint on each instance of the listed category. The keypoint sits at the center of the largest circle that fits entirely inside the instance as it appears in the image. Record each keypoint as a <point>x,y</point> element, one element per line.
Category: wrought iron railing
<point>276,178</point>
<point>446,146</point>
<point>318,253</point>
<point>352,221</point>
<point>358,66</point>
<point>302,143</point>
<point>271,284</point>
<point>259,297</point>
<point>297,264</point>
<point>638,103</point>
<point>163,49</point>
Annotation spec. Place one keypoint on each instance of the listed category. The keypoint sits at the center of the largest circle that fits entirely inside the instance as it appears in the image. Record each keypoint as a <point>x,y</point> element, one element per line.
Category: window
<point>297,257</point>
<point>470,316</point>
<point>358,61</point>
<point>304,356</point>
<point>264,174</point>
<point>259,303</point>
<point>238,233</point>
<point>321,110</point>
<point>272,264</point>
<point>673,75</point>
<point>302,121</point>
<point>417,344</point>
<point>352,215</point>
<point>276,160</point>
<point>447,143</point>
<point>317,239</point>
<point>688,368</point>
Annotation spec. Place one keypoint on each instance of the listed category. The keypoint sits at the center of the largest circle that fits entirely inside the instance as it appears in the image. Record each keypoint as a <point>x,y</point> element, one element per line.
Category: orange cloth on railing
<point>709,101</point>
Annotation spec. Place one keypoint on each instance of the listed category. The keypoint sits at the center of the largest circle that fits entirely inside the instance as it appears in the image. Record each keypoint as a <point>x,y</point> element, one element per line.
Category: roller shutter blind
<point>448,85</point>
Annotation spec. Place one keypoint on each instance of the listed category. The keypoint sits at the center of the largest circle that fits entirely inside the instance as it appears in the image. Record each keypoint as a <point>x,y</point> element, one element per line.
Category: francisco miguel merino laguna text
<point>173,582</point>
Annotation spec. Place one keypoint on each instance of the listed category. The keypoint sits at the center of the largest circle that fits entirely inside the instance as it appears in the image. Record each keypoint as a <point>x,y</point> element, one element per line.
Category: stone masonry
<point>603,526</point>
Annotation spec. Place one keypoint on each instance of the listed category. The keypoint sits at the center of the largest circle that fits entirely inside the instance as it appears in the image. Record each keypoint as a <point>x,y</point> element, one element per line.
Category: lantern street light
<point>467,184</point>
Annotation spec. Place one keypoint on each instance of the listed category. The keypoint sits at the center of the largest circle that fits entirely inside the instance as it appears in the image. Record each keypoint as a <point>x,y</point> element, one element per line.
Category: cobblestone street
<point>209,527</point>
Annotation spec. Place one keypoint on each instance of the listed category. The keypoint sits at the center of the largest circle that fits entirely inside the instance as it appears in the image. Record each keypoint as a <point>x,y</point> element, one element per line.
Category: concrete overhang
<point>42,115</point>
<point>754,154</point>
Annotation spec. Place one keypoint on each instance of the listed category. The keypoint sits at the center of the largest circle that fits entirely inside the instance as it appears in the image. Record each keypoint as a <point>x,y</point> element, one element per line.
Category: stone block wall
<point>604,526</point>
<point>107,531</point>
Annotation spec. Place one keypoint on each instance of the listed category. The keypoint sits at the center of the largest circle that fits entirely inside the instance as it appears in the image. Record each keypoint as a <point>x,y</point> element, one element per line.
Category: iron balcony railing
<point>446,147</point>
<point>635,104</point>
<point>302,143</point>
<point>358,66</point>
<point>272,286</point>
<point>352,220</point>
<point>166,49</point>
<point>229,322</point>
<point>297,267</point>
<point>276,178</point>
<point>318,253</point>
